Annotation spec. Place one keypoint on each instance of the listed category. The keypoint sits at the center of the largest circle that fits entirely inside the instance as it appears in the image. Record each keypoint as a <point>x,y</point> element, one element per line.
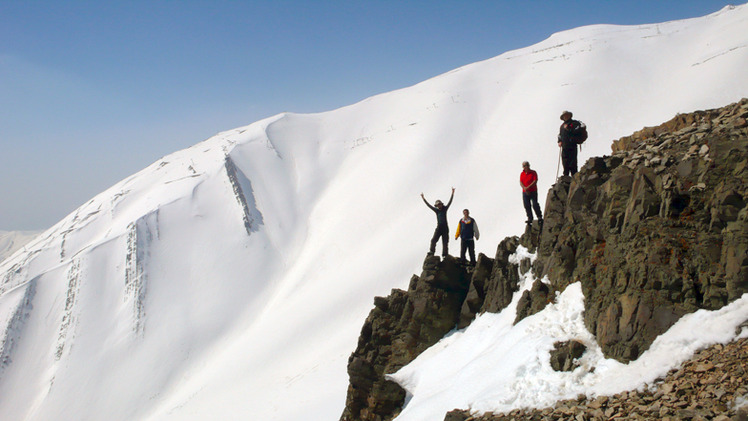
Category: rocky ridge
<point>657,230</point>
<point>402,325</point>
<point>397,330</point>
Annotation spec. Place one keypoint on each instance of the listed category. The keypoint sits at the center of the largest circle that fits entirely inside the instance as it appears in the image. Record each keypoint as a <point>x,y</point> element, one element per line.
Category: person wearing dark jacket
<point>528,179</point>
<point>442,228</point>
<point>467,231</point>
<point>568,144</point>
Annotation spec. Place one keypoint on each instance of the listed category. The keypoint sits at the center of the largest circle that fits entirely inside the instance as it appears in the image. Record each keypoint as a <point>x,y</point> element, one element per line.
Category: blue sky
<point>93,91</point>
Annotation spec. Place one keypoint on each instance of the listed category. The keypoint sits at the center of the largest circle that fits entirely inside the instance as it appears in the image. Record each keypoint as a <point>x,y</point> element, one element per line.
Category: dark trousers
<point>569,160</point>
<point>469,245</point>
<point>443,232</point>
<point>530,199</point>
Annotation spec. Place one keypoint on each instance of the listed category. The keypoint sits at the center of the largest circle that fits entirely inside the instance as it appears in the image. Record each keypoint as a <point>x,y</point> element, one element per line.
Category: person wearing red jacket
<point>528,179</point>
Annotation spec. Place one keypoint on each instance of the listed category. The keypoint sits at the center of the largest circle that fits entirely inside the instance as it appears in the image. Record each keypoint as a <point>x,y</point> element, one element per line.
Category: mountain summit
<point>230,279</point>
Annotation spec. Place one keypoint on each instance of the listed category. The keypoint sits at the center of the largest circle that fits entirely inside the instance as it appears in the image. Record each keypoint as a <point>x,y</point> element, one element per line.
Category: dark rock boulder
<point>458,415</point>
<point>397,330</point>
<point>565,354</point>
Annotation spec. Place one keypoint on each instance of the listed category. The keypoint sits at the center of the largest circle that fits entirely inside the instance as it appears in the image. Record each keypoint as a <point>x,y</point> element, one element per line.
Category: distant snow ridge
<point>10,241</point>
<point>230,279</point>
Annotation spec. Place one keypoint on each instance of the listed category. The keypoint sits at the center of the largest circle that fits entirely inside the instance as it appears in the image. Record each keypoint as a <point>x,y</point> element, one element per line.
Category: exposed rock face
<point>404,324</point>
<point>493,283</point>
<point>398,329</point>
<point>710,386</point>
<point>656,231</point>
<point>534,300</point>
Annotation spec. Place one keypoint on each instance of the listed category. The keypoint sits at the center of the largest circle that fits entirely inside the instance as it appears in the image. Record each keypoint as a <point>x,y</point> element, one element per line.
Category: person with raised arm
<point>442,228</point>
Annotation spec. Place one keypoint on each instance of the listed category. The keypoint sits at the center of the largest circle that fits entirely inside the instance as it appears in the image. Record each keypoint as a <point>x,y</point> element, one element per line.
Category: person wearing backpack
<point>528,180</point>
<point>467,231</point>
<point>442,229</point>
<point>571,134</point>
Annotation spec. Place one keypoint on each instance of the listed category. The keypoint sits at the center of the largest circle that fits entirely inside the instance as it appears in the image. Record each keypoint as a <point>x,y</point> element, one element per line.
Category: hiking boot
<point>528,222</point>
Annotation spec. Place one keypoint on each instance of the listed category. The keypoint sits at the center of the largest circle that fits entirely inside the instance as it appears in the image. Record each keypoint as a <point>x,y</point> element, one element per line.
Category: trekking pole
<point>559,162</point>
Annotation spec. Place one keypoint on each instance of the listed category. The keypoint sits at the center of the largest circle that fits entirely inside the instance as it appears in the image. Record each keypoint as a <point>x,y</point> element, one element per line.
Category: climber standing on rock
<point>528,180</point>
<point>571,134</point>
<point>442,228</point>
<point>467,231</point>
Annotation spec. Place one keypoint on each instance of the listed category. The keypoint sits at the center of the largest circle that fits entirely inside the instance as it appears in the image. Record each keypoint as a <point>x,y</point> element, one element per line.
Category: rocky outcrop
<point>655,231</point>
<point>401,326</point>
<point>711,386</point>
<point>398,329</point>
<point>534,300</point>
<point>493,284</point>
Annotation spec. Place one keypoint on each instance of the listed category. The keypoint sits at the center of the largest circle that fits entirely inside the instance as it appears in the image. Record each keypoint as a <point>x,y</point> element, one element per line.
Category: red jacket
<point>528,177</point>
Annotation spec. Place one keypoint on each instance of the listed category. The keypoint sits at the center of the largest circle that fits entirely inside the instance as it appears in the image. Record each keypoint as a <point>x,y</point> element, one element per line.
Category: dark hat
<point>566,112</point>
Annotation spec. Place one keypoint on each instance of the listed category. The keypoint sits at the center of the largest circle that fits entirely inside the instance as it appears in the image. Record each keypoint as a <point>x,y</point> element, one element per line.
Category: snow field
<point>191,291</point>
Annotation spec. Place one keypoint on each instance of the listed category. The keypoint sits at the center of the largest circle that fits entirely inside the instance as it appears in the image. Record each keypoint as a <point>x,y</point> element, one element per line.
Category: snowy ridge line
<point>720,54</point>
<point>265,138</point>
<point>14,276</point>
<point>140,236</point>
<point>76,221</point>
<point>12,332</point>
<point>17,273</point>
<point>13,241</point>
<point>104,202</point>
<point>15,267</point>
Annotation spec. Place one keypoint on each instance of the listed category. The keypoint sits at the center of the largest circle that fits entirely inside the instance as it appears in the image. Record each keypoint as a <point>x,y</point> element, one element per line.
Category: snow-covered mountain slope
<point>10,241</point>
<point>230,280</point>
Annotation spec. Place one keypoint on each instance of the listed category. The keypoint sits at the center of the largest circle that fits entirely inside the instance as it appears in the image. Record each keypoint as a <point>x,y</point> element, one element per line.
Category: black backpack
<point>577,131</point>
